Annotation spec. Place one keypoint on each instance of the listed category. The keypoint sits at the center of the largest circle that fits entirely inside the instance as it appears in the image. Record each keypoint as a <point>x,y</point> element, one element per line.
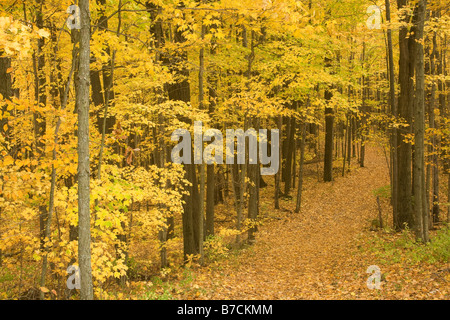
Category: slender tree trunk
<point>290,150</point>
<point>344,153</point>
<point>210,169</point>
<point>419,129</point>
<point>236,187</point>
<point>210,185</point>
<point>329,125</point>
<point>39,121</point>
<point>435,124</point>
<point>258,171</point>
<point>354,143</point>
<point>6,92</point>
<point>349,139</point>
<point>430,95</point>
<point>201,98</point>
<point>404,195</point>
<point>393,105</point>
<point>253,200</point>
<point>105,122</point>
<point>191,202</point>
<point>84,219</point>
<point>448,196</point>
<point>363,109</point>
<point>301,168</point>
<point>328,158</point>
<point>432,171</point>
<point>294,161</point>
<point>278,174</point>
<point>285,147</point>
<point>201,212</point>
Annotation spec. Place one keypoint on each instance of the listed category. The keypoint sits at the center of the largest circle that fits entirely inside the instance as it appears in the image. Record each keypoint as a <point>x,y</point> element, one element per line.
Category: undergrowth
<point>394,248</point>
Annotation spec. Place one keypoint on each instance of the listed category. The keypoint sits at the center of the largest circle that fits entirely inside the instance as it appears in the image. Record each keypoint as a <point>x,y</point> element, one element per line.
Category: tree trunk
<point>288,157</point>
<point>301,167</point>
<point>210,169</point>
<point>39,121</point>
<point>210,190</point>
<point>278,174</point>
<point>365,84</point>
<point>191,203</point>
<point>404,195</point>
<point>6,92</point>
<point>448,197</point>
<point>349,139</point>
<point>285,147</point>
<point>421,223</point>
<point>432,167</point>
<point>253,193</point>
<point>201,98</point>
<point>84,219</point>
<point>344,147</point>
<point>238,195</point>
<point>180,91</point>
<point>393,105</point>
<point>329,123</point>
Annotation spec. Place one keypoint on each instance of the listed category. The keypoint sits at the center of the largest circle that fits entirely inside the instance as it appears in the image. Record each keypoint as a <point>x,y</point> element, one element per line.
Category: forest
<point>224,150</point>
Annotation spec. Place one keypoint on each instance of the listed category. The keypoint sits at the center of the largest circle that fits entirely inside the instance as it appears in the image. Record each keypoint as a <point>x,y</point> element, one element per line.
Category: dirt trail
<point>311,255</point>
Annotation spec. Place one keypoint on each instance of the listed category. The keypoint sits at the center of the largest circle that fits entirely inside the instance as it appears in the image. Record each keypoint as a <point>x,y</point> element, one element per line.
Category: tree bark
<point>300,171</point>
<point>39,121</point>
<point>253,193</point>
<point>421,223</point>
<point>181,91</point>
<point>433,166</point>
<point>365,85</point>
<point>84,219</point>
<point>210,190</point>
<point>210,169</point>
<point>404,159</point>
<point>6,92</point>
<point>201,97</point>
<point>279,174</point>
<point>329,123</point>
<point>289,156</point>
<point>394,112</point>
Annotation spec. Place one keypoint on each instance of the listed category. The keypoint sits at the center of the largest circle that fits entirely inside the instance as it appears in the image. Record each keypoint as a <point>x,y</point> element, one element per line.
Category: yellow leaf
<point>43,33</point>
<point>44,289</point>
<point>8,161</point>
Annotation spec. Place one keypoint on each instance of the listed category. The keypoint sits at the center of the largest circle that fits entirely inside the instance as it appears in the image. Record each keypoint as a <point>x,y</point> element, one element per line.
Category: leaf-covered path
<point>311,255</point>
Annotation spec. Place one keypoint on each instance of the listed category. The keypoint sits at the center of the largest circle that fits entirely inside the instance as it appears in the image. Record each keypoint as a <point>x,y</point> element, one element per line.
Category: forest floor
<point>323,252</point>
